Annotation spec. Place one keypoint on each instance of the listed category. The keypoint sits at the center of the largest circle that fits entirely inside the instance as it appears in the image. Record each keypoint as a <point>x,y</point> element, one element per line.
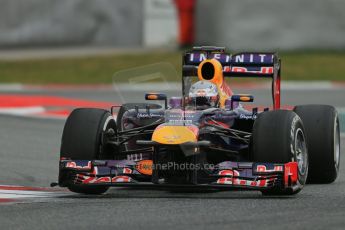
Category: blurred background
<point>237,24</point>
<point>90,40</point>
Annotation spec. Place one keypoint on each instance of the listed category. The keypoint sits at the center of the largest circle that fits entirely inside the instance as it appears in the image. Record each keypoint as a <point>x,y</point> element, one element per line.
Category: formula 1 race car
<point>205,139</point>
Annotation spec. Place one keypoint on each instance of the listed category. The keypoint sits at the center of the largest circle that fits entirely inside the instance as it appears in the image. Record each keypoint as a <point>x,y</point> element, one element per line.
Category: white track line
<point>22,111</point>
<point>11,87</point>
<point>13,194</point>
<point>307,85</point>
<point>19,194</point>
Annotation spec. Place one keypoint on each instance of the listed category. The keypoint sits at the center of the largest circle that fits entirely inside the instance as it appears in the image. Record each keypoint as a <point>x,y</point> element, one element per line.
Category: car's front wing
<point>226,175</point>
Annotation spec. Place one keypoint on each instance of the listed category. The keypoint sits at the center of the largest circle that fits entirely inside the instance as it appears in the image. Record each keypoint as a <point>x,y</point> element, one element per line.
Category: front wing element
<point>227,175</point>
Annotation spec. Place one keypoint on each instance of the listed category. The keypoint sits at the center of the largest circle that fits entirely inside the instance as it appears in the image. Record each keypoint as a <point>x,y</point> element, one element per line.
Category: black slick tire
<point>321,125</point>
<point>81,140</point>
<point>278,137</point>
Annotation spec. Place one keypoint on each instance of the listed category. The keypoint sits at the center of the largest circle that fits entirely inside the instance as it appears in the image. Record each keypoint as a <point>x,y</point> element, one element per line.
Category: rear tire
<point>81,140</point>
<point>278,137</point>
<point>321,125</point>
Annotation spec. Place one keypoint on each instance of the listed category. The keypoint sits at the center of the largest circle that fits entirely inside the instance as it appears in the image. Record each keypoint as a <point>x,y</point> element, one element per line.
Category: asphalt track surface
<point>29,156</point>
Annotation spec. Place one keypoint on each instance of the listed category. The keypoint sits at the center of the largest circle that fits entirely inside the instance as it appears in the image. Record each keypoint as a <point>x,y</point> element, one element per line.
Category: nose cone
<point>175,135</point>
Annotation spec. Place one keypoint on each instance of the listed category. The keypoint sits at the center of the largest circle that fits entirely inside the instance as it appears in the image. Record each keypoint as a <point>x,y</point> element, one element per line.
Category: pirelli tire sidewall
<point>297,130</point>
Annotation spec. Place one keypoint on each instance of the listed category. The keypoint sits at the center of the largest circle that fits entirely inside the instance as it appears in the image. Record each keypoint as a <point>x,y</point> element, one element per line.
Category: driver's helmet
<point>203,95</point>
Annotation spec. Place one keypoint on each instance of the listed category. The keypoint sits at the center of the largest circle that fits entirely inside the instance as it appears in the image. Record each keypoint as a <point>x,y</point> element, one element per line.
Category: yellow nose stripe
<point>173,135</point>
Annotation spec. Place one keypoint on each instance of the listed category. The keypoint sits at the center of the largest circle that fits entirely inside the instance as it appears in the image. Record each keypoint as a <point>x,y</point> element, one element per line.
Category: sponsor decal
<point>127,171</point>
<point>187,114</point>
<point>73,165</point>
<point>232,178</point>
<point>251,183</point>
<point>226,69</point>
<point>99,180</point>
<point>196,58</point>
<point>182,118</point>
<point>253,58</point>
<point>263,168</point>
<point>224,180</point>
<point>248,117</point>
<point>144,167</point>
<point>260,70</point>
<point>228,172</point>
<point>180,122</point>
<point>148,115</point>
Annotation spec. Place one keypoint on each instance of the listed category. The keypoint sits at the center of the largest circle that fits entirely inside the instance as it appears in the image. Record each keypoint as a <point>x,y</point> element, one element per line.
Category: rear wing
<point>245,64</point>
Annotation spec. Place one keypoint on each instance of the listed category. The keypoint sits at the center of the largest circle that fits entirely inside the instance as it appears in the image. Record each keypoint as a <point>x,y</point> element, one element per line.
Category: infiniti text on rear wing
<point>236,65</point>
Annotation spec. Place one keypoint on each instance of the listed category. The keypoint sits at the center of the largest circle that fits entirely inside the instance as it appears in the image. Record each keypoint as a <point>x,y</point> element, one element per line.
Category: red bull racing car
<point>204,139</point>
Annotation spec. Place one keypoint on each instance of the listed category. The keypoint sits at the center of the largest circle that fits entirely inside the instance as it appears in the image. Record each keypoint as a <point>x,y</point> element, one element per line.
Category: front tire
<point>278,137</point>
<point>81,140</point>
